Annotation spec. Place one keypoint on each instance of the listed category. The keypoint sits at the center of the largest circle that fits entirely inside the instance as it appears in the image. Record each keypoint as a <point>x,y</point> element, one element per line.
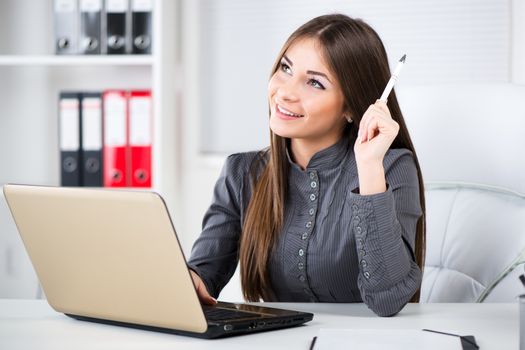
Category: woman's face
<point>306,100</point>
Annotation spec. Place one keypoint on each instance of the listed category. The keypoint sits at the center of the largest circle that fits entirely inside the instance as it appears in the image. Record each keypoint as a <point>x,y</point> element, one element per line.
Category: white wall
<point>447,41</point>
<point>518,42</point>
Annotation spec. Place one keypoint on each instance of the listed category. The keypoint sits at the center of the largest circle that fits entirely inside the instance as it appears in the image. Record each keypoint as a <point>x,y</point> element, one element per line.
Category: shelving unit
<point>30,69</point>
<point>31,77</point>
<point>54,60</point>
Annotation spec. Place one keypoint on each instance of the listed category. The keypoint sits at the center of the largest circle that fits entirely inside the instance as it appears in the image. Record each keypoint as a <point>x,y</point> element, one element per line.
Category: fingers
<point>369,124</point>
<point>202,292</point>
<point>382,105</point>
<point>204,296</point>
<point>372,128</point>
<point>371,113</point>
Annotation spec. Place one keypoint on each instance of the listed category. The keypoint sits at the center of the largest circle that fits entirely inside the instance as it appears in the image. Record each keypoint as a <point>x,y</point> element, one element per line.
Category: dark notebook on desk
<point>113,256</point>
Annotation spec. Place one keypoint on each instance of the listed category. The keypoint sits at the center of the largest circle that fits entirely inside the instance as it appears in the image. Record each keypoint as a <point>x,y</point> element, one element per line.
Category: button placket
<point>313,186</point>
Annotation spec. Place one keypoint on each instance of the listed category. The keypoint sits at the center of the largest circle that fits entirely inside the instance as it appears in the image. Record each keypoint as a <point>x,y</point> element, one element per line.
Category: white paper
<point>116,6</point>
<point>91,124</point>
<point>380,339</point>
<point>90,5</point>
<point>140,121</point>
<point>115,120</point>
<point>65,6</point>
<point>141,5</point>
<point>69,119</point>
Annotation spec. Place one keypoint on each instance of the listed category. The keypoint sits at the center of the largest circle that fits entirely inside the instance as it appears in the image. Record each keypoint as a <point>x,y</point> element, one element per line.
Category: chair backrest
<point>475,240</point>
<point>467,135</point>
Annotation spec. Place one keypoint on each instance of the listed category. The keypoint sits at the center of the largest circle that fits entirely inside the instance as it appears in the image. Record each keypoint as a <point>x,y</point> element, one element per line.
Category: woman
<point>333,210</point>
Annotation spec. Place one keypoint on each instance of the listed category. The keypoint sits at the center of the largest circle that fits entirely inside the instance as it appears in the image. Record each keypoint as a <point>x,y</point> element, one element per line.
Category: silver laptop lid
<point>107,254</point>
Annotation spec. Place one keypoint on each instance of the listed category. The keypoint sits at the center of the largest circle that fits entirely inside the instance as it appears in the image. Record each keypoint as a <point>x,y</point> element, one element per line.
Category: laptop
<point>113,256</point>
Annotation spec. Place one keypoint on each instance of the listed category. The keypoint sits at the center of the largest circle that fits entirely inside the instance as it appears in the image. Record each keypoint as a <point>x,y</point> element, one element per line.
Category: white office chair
<point>475,242</point>
<point>469,140</point>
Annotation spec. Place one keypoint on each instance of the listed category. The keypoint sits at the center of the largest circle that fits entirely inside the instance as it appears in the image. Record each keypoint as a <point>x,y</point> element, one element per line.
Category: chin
<point>279,129</point>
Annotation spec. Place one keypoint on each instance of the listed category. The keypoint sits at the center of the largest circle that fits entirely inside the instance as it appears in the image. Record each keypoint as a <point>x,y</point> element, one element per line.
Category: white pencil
<point>393,79</point>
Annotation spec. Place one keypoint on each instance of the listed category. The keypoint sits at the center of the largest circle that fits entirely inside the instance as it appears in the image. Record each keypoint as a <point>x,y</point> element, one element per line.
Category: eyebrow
<point>308,71</point>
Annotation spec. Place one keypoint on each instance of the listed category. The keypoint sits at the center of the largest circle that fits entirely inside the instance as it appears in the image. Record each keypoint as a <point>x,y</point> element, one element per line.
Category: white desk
<point>32,324</point>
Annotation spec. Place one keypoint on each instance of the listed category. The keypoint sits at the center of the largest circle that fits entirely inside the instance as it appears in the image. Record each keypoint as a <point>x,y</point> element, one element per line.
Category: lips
<point>286,113</point>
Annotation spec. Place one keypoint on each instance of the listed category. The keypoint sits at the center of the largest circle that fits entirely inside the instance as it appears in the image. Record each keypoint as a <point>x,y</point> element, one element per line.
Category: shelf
<point>77,60</point>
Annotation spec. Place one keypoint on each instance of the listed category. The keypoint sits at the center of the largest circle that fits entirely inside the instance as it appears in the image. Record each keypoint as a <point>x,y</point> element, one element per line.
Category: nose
<point>287,91</point>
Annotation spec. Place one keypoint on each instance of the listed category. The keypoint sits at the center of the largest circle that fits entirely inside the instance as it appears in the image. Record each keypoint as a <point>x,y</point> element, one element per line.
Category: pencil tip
<point>403,58</point>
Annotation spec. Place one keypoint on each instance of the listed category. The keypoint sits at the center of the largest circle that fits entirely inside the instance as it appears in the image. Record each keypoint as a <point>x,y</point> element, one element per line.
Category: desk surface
<point>26,324</point>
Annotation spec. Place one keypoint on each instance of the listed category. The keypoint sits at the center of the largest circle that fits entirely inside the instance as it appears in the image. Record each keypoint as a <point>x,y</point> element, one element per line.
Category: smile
<point>287,113</point>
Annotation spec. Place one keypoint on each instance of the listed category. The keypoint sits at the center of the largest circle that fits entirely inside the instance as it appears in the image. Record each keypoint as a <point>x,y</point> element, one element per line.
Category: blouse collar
<point>329,157</point>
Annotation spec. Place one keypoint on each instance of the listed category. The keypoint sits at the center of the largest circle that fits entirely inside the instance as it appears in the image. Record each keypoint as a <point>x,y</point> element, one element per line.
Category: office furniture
<point>475,243</point>
<point>469,138</point>
<point>31,77</point>
<point>28,324</point>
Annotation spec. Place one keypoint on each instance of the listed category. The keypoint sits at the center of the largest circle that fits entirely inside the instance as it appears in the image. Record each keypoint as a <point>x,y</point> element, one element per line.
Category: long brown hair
<point>356,56</point>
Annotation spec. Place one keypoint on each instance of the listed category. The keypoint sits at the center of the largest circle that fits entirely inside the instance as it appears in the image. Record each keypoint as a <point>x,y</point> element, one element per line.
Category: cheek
<point>318,103</point>
<point>323,109</point>
<point>272,85</point>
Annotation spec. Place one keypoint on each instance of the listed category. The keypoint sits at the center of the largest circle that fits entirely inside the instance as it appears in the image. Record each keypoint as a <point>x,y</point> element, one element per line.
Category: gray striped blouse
<point>336,245</point>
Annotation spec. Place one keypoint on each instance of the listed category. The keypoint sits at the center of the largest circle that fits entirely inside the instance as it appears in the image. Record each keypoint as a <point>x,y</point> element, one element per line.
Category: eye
<point>285,68</point>
<point>316,84</point>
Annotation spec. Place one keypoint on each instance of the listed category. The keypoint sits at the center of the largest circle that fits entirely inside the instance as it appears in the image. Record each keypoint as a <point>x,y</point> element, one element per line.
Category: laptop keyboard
<point>219,314</point>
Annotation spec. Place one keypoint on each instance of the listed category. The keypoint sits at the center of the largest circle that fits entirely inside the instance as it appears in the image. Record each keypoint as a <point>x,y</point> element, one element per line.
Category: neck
<point>303,150</point>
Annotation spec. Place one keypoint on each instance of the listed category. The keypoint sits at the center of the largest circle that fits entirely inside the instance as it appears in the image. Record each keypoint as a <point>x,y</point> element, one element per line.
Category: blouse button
<point>357,219</point>
<point>311,211</point>
<point>301,252</point>
<point>308,224</point>
<point>354,207</point>
<point>363,263</point>
<point>313,184</point>
<point>302,278</point>
<point>358,229</point>
<point>312,197</point>
<point>300,266</point>
<point>312,175</point>
<point>304,236</point>
<point>367,275</point>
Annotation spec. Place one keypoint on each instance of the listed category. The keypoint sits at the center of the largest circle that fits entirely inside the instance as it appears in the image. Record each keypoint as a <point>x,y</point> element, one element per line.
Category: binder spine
<point>140,137</point>
<point>141,16</point>
<point>117,35</point>
<point>66,20</point>
<point>91,106</point>
<point>90,26</point>
<point>115,150</point>
<point>70,139</point>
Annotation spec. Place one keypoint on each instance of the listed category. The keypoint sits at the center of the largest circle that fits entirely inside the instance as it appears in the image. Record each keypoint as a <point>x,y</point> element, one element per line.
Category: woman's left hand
<point>377,131</point>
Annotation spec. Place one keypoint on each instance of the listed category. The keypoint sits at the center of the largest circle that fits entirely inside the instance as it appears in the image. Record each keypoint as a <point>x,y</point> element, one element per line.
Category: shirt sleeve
<point>384,226</point>
<point>214,254</point>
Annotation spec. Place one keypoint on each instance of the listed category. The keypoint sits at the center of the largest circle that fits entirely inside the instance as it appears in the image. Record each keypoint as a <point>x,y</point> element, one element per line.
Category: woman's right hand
<point>202,292</point>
